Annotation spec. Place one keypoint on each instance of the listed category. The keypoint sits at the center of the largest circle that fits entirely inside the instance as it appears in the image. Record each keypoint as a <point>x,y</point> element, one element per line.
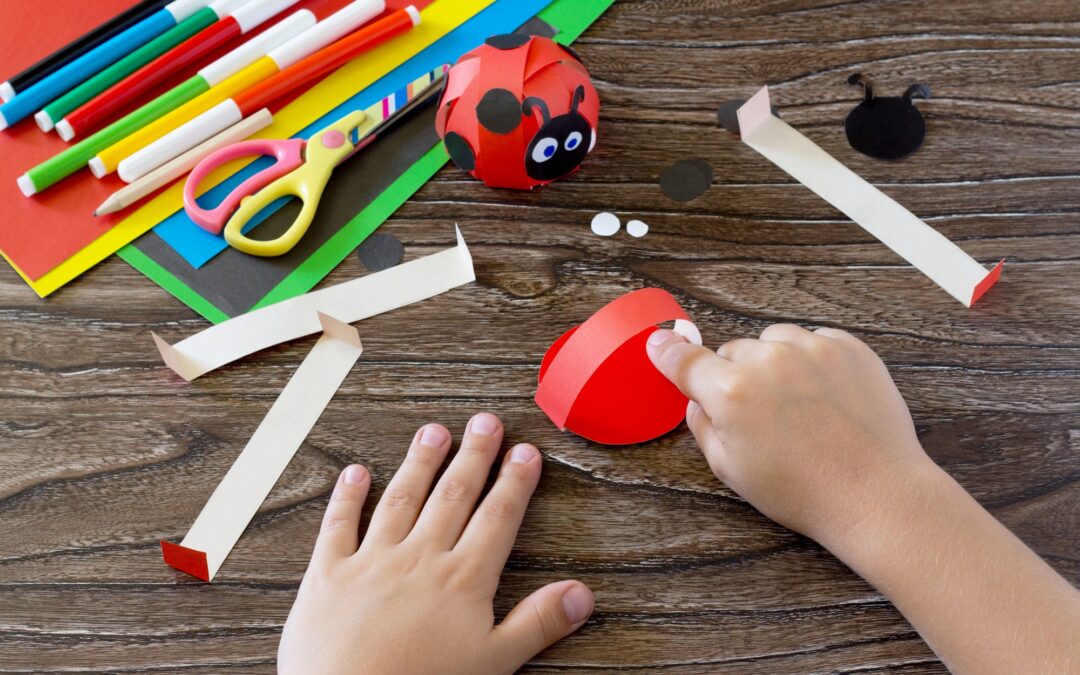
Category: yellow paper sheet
<point>438,19</point>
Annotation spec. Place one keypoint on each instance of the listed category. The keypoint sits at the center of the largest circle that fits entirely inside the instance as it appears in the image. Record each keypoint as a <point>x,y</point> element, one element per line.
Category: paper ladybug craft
<point>886,127</point>
<point>597,381</point>
<point>519,112</point>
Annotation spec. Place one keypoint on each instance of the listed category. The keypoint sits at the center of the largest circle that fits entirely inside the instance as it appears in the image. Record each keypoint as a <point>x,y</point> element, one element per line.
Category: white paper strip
<point>254,473</point>
<point>351,301</point>
<point>913,240</point>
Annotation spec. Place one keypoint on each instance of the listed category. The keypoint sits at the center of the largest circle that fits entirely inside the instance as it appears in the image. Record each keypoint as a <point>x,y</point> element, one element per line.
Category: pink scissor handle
<point>289,155</point>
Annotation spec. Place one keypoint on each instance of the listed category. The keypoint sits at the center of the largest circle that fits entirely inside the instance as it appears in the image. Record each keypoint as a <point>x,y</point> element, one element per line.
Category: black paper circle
<point>508,41</point>
<point>686,179</point>
<point>728,115</point>
<point>499,111</point>
<point>886,128</point>
<point>460,152</point>
<point>381,251</point>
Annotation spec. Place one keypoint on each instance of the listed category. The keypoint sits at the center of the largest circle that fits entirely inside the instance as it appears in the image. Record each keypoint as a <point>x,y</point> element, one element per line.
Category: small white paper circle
<point>605,224</point>
<point>636,228</point>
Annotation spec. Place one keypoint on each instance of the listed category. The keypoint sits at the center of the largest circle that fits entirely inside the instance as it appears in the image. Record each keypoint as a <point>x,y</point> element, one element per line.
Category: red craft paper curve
<point>597,380</point>
<point>186,560</point>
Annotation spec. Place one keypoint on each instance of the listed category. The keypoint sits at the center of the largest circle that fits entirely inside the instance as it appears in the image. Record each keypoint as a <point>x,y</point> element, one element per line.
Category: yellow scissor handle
<point>324,151</point>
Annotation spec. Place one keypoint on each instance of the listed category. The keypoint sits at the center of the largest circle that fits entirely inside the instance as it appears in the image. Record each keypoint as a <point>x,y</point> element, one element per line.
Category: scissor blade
<point>421,93</point>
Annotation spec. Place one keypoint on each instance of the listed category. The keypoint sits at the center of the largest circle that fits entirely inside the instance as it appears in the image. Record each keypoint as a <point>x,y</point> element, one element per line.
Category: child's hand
<point>417,595</point>
<point>807,427</point>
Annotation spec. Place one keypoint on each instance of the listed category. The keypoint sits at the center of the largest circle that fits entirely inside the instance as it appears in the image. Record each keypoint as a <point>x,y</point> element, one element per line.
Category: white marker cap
<point>63,127</point>
<point>414,14</point>
<point>97,167</point>
<point>7,92</point>
<point>26,185</point>
<point>3,122</point>
<point>44,121</point>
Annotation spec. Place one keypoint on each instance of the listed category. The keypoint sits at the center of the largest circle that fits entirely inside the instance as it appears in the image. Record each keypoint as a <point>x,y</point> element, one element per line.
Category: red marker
<point>230,32</point>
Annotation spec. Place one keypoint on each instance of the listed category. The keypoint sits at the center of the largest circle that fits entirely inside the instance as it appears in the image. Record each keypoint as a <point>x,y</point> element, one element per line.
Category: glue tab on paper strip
<point>896,227</point>
<point>597,380</point>
<point>244,488</point>
<point>287,320</point>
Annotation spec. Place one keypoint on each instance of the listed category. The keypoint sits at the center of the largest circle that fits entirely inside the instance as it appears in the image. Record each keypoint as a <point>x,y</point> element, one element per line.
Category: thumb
<point>697,371</point>
<point>542,619</point>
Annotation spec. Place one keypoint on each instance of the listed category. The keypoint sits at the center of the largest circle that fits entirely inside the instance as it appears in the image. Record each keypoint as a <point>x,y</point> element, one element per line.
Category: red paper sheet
<point>39,233</point>
<point>597,380</point>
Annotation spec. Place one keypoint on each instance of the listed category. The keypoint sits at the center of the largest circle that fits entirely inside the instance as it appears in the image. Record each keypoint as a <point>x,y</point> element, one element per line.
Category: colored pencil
<point>29,101</point>
<point>208,16</point>
<point>324,33</point>
<point>73,159</point>
<point>170,171</point>
<point>78,47</point>
<point>97,112</point>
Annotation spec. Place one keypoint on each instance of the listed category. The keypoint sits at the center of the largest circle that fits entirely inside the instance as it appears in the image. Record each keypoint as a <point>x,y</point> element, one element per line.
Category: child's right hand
<point>807,427</point>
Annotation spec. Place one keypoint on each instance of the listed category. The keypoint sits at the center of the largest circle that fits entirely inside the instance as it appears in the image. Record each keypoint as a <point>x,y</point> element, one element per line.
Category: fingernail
<point>522,454</point>
<point>484,424</point>
<point>355,474</point>
<point>660,337</point>
<point>434,436</point>
<point>578,604</point>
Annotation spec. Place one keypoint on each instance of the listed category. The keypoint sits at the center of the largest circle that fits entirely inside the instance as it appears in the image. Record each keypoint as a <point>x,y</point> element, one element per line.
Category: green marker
<point>53,170</point>
<point>197,22</point>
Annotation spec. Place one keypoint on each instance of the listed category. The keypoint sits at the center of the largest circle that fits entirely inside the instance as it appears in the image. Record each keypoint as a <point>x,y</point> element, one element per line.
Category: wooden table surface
<point>104,451</point>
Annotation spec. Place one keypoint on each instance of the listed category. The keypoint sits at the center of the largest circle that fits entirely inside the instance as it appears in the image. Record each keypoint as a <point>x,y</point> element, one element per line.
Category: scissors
<point>302,168</point>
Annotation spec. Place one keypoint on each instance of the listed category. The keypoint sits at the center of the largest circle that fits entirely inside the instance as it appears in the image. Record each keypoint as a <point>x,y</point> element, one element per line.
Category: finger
<point>542,619</point>
<point>742,349</point>
<point>452,501</point>
<point>340,532</point>
<point>708,439</point>
<point>695,370</point>
<point>786,332</point>
<point>396,513</point>
<point>837,334</point>
<point>490,534</point>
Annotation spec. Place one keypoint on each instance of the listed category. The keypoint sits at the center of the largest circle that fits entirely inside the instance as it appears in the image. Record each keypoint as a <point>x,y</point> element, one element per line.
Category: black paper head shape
<point>886,127</point>
<point>562,143</point>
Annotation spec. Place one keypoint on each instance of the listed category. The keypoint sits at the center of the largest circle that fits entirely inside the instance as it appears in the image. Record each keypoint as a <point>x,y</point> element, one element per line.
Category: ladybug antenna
<point>534,102</point>
<point>579,96</point>
<point>917,91</point>
<point>866,82</point>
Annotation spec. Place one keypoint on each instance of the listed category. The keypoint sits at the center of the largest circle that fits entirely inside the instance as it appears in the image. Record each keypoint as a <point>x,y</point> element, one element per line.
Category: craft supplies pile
<point>173,134</point>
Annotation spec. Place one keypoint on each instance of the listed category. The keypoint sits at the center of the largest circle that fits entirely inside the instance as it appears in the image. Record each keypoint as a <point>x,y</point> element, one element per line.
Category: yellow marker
<point>110,158</point>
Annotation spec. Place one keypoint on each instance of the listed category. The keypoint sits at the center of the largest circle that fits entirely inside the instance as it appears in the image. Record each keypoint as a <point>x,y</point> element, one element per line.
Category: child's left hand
<point>417,595</point>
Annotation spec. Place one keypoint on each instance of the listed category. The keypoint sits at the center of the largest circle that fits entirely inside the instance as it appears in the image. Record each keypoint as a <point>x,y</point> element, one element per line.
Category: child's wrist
<point>900,506</point>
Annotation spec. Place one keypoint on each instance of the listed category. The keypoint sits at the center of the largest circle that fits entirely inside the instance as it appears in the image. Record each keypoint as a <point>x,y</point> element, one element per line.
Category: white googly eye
<point>592,140</point>
<point>573,141</point>
<point>545,150</point>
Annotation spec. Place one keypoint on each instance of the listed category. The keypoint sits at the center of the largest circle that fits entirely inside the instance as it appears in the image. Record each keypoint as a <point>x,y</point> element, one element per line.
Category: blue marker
<point>46,90</point>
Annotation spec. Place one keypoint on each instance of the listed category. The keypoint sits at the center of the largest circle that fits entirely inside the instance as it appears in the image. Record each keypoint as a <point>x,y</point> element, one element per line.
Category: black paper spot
<point>499,111</point>
<point>728,115</point>
<point>886,127</point>
<point>381,251</point>
<point>460,152</point>
<point>538,27</point>
<point>687,179</point>
<point>507,42</point>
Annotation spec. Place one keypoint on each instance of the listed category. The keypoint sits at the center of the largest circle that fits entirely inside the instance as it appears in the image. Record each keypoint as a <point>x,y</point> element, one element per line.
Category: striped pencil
<point>326,32</point>
<point>31,100</point>
<point>170,171</point>
<point>76,157</point>
<point>78,47</point>
<point>97,112</point>
<point>289,82</point>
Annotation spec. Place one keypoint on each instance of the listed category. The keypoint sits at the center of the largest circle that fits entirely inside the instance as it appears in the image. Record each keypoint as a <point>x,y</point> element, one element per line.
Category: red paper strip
<point>597,380</point>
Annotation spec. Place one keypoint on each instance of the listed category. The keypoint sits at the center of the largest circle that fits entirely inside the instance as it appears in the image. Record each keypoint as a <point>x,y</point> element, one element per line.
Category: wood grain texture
<point>104,451</point>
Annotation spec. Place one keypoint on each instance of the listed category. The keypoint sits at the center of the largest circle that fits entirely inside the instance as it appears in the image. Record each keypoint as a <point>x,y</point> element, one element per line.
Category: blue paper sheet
<point>198,246</point>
